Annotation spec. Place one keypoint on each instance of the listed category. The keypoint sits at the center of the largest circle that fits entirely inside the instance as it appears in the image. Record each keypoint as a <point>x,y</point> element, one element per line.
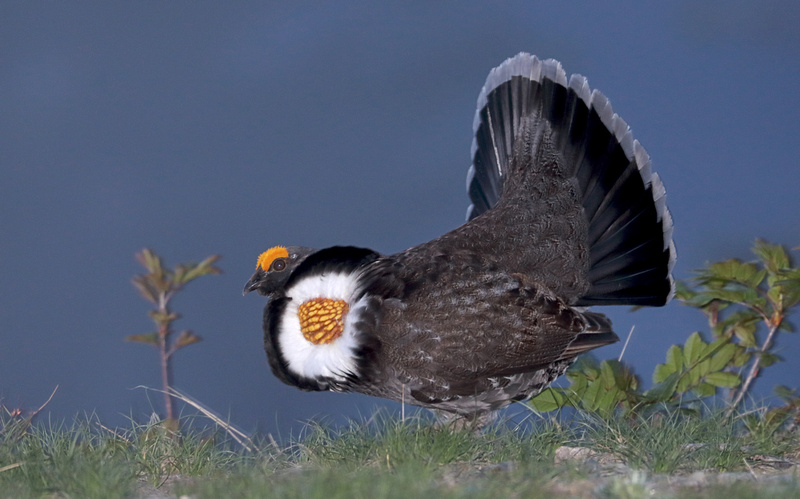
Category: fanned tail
<point>631,252</point>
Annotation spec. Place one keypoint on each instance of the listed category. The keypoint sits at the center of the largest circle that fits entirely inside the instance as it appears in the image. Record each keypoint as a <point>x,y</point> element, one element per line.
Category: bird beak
<point>252,284</point>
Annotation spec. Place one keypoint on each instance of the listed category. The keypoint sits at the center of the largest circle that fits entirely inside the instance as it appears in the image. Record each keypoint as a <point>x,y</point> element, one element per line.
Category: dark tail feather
<point>630,229</point>
<point>598,333</point>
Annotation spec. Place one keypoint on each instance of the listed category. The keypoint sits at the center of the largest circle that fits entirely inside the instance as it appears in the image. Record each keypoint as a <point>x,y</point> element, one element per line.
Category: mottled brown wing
<point>451,325</point>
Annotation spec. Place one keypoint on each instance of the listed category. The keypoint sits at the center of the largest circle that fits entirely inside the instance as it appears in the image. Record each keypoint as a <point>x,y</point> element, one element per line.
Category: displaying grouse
<point>565,213</point>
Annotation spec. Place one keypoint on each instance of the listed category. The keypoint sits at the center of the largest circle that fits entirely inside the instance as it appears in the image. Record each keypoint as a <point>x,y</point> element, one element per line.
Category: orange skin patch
<point>322,319</point>
<point>266,258</point>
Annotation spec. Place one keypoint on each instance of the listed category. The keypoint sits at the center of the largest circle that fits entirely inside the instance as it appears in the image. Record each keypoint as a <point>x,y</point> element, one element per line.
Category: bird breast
<point>317,332</point>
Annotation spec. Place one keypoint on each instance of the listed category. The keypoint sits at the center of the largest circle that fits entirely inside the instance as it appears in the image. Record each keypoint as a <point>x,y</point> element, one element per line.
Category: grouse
<point>565,213</point>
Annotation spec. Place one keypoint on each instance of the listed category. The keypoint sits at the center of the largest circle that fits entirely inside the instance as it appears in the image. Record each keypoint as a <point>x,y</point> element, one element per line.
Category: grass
<point>384,457</point>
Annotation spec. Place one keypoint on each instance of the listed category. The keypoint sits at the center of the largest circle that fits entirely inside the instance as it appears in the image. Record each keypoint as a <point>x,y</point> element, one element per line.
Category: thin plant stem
<point>754,367</point>
<point>163,333</point>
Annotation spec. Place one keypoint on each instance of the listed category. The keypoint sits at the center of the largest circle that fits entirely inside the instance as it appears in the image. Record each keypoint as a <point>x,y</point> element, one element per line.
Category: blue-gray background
<point>195,128</point>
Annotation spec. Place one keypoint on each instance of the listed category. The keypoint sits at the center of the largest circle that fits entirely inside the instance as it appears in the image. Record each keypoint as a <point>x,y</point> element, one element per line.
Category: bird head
<point>274,267</point>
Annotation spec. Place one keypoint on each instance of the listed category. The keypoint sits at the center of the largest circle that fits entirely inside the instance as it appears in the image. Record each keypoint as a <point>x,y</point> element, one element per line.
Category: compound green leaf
<point>723,379</point>
<point>693,349</point>
<point>723,357</point>
<point>549,400</point>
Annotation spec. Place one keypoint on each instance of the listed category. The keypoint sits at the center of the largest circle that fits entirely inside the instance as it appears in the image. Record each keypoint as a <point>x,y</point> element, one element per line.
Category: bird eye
<point>279,264</point>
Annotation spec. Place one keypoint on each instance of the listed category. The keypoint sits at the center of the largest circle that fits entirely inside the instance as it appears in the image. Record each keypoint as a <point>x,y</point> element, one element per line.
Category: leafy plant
<point>599,388</point>
<point>698,367</point>
<point>739,299</point>
<point>158,286</point>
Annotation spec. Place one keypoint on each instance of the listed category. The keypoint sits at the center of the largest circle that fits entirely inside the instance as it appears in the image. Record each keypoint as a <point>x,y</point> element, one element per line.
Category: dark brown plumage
<point>565,213</point>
